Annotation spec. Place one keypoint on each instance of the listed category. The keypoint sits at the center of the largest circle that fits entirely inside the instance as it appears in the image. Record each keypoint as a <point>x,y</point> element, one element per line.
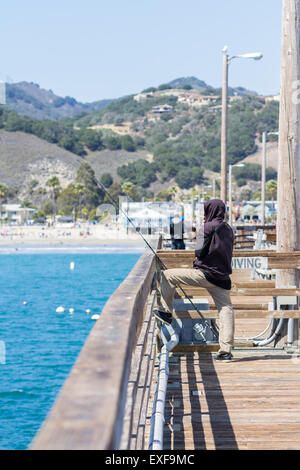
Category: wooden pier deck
<point>251,403</point>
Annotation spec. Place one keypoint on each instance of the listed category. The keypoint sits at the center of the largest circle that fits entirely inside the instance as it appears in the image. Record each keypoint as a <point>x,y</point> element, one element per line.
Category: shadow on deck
<point>230,406</point>
<point>186,421</point>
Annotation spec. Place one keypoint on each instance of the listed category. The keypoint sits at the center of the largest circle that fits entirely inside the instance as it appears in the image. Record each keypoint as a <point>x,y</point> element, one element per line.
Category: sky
<point>100,49</point>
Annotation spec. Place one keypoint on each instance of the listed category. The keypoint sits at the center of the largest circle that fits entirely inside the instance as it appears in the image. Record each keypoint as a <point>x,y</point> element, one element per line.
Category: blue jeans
<point>178,244</point>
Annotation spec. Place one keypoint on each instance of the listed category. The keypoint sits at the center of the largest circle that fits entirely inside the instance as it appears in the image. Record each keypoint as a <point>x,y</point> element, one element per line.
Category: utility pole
<point>230,193</point>
<point>224,128</point>
<point>288,217</point>
<point>263,178</point>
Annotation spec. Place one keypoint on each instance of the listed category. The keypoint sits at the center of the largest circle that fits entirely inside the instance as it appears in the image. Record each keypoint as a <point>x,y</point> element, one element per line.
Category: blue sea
<point>38,346</point>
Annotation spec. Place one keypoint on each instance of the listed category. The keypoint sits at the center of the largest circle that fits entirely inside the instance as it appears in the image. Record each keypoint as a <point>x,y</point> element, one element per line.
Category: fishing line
<point>213,326</point>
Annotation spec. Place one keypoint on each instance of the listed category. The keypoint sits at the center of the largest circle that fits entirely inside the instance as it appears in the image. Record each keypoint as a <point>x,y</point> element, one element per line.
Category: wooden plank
<point>257,292</point>
<point>241,314</point>
<point>191,348</point>
<point>184,258</point>
<point>88,413</point>
<point>236,253</point>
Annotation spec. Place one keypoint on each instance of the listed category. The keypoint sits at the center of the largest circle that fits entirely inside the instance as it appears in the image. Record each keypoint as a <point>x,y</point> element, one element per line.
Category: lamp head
<point>252,55</point>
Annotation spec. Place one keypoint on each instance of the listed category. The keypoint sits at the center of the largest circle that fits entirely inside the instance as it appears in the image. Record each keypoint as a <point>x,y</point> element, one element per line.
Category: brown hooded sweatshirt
<point>215,245</point>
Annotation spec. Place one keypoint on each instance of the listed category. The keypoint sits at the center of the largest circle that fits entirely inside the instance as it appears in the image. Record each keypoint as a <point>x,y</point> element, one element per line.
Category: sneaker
<point>225,357</point>
<point>164,317</point>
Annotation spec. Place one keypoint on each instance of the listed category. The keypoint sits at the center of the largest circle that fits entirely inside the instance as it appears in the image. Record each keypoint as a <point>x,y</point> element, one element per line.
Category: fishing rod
<point>212,326</point>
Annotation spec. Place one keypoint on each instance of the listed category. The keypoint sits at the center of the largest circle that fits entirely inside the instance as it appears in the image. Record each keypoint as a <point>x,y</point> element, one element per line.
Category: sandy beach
<point>83,235</point>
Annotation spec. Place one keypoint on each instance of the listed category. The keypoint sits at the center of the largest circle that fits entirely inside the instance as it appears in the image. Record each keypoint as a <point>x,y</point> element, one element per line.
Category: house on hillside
<point>143,96</point>
<point>166,108</point>
<point>197,100</point>
<point>15,214</point>
<point>272,98</point>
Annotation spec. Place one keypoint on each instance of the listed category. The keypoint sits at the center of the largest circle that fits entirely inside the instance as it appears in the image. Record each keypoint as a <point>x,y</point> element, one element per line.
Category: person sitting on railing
<point>211,270</point>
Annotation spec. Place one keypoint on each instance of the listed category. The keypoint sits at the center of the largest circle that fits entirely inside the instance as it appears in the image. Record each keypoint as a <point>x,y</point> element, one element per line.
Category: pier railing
<point>90,410</point>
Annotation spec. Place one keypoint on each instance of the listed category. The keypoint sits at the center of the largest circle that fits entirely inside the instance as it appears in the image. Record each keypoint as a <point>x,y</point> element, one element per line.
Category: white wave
<point>76,249</point>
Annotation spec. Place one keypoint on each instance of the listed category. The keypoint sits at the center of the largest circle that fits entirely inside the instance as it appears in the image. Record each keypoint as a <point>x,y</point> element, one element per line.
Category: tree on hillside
<point>54,184</point>
<point>79,190</point>
<point>67,200</point>
<point>189,177</point>
<point>166,194</point>
<point>113,143</point>
<point>106,180</point>
<point>92,139</point>
<point>93,195</point>
<point>128,143</point>
<point>165,86</point>
<point>140,172</point>
<point>3,193</point>
<point>130,189</point>
<point>246,194</point>
<point>115,191</point>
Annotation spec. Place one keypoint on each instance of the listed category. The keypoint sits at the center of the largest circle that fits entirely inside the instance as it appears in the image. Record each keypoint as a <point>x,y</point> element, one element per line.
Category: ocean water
<point>38,346</point>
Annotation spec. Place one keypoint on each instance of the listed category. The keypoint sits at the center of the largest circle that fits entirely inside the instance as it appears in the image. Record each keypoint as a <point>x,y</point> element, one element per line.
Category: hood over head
<point>214,209</point>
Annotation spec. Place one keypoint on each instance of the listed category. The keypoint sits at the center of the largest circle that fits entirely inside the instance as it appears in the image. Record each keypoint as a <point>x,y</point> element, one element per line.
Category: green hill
<point>31,100</point>
<point>185,139</point>
<point>162,137</point>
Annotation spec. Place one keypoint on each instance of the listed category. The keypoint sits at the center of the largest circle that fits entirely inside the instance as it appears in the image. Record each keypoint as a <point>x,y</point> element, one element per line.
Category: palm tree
<point>3,193</point>
<point>271,190</point>
<point>54,184</point>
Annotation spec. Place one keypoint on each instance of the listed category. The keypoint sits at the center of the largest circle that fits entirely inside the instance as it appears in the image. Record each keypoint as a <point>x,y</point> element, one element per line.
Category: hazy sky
<point>96,49</point>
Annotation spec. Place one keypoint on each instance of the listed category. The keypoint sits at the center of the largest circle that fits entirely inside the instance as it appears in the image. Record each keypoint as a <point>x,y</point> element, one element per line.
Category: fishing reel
<point>204,333</point>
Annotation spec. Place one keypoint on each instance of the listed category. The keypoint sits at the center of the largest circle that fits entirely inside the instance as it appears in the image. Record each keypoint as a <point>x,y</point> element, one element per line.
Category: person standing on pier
<point>211,270</point>
<point>177,232</point>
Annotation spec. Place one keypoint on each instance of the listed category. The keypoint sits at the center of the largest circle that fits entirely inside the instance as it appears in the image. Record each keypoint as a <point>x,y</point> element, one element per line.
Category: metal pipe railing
<point>158,413</point>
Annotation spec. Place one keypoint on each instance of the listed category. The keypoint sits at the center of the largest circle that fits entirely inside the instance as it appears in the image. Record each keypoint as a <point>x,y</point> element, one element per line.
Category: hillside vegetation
<point>186,140</point>
<point>138,149</point>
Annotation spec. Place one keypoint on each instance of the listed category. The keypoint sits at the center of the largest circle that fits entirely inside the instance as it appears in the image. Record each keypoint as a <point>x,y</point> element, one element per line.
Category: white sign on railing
<point>253,262</point>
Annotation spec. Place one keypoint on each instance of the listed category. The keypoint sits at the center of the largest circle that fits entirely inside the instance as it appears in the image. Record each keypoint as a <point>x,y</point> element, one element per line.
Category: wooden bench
<point>250,298</point>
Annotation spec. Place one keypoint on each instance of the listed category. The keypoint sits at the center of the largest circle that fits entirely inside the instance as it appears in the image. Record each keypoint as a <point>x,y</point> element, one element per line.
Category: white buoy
<point>72,265</point>
<point>24,303</point>
<point>95,317</point>
<point>88,311</point>
<point>71,310</point>
<point>60,309</point>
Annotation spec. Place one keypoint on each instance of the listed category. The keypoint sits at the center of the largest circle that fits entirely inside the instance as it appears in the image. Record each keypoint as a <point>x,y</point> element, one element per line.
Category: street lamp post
<point>263,178</point>
<point>224,126</point>
<point>239,165</point>
<point>214,185</point>
<point>263,175</point>
<point>204,192</point>
<point>226,61</point>
<point>214,188</point>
